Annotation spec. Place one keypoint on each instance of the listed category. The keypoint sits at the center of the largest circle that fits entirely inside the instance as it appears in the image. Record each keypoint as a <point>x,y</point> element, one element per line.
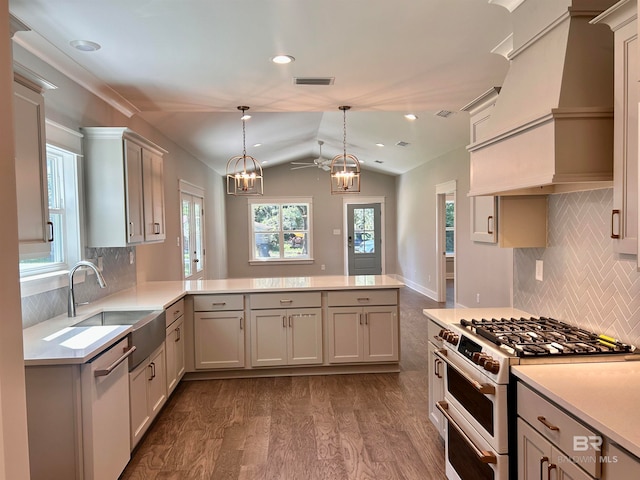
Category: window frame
<point>281,202</point>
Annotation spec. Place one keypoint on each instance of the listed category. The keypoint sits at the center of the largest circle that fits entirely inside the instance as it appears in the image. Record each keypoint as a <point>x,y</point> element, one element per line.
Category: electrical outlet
<point>477,298</point>
<point>177,241</point>
<point>539,270</point>
<point>322,267</point>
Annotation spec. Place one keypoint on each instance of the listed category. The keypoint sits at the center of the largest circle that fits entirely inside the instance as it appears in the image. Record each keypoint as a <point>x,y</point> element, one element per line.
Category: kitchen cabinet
<point>484,209</point>
<point>123,188</point>
<point>35,231</point>
<point>619,463</point>
<point>78,418</point>
<point>219,331</point>
<point>148,393</point>
<point>286,336</point>
<point>622,18</point>
<point>436,377</point>
<point>546,441</point>
<point>363,326</point>
<point>174,345</point>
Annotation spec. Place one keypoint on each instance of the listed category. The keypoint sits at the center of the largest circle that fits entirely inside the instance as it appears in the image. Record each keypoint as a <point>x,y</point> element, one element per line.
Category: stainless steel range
<point>474,359</point>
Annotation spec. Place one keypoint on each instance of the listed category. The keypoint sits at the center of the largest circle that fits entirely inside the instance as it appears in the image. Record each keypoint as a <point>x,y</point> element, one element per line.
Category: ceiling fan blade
<point>303,163</point>
<point>302,166</point>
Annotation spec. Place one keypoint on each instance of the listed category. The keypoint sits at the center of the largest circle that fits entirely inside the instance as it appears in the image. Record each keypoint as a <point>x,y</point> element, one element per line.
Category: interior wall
<point>280,181</point>
<point>14,450</point>
<point>481,269</point>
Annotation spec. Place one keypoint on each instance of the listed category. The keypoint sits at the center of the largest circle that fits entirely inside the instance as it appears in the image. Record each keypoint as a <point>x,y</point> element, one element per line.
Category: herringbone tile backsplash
<point>585,282</point>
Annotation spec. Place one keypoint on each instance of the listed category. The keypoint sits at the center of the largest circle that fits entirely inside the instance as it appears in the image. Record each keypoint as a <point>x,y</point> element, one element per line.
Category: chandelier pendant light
<point>244,173</point>
<point>345,168</point>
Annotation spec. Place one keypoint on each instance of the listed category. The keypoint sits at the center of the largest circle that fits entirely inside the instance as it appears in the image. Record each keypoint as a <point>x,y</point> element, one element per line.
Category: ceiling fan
<point>319,162</point>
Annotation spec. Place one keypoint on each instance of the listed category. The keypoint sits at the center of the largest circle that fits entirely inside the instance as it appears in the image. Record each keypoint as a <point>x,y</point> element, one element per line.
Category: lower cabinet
<point>436,389</point>
<point>286,337</point>
<point>363,334</point>
<point>147,393</point>
<point>174,346</point>
<point>620,464</point>
<point>219,339</point>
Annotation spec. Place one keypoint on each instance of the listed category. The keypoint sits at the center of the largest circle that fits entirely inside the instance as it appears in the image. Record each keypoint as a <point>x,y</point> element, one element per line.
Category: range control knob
<point>492,366</point>
<point>475,358</point>
<point>484,358</point>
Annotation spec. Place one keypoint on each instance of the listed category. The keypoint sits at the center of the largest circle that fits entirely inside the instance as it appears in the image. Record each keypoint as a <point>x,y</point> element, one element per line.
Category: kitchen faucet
<point>72,301</point>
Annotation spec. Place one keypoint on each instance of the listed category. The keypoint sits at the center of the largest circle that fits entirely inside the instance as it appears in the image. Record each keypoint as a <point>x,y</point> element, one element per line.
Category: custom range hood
<point>551,129</point>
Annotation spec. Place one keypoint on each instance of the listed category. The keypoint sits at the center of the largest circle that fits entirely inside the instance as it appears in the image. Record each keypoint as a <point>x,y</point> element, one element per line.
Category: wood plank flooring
<point>326,427</point>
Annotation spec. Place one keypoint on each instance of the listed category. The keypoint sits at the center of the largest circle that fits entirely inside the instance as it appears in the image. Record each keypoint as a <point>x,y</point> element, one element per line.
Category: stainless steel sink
<point>149,329</point>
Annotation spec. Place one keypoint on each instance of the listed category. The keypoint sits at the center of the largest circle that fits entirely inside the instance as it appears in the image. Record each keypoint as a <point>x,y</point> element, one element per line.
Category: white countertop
<point>57,341</point>
<point>604,395</point>
<point>446,316</point>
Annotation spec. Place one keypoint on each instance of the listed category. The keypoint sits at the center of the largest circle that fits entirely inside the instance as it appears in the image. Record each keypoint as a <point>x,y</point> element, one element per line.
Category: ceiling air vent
<point>378,161</point>
<point>313,80</point>
<point>402,144</point>
<point>443,113</point>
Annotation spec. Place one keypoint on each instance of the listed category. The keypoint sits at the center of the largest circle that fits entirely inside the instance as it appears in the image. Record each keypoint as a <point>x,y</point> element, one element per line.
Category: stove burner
<point>543,336</point>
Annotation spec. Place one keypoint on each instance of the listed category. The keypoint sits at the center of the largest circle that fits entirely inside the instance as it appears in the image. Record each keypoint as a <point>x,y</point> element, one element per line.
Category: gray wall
<point>483,269</point>
<point>281,181</point>
<point>584,281</point>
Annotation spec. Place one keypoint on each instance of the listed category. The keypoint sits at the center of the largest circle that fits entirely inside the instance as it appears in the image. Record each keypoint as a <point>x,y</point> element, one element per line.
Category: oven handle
<point>483,455</point>
<point>483,388</point>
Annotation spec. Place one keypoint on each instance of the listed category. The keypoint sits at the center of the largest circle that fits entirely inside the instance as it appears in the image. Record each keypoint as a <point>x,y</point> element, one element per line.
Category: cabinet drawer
<point>346,298</point>
<point>560,428</point>
<point>174,311</point>
<point>260,301</point>
<point>213,303</point>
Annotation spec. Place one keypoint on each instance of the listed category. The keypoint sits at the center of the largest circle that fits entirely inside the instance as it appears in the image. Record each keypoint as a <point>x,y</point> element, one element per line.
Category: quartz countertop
<point>58,341</point>
<point>446,316</point>
<point>604,395</point>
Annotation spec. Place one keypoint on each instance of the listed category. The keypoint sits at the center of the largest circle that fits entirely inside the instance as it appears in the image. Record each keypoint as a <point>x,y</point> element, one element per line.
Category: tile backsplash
<point>118,274</point>
<point>585,282</point>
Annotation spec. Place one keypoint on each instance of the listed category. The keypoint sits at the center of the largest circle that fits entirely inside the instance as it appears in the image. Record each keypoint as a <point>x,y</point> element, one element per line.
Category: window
<point>63,213</point>
<point>450,226</point>
<point>280,229</point>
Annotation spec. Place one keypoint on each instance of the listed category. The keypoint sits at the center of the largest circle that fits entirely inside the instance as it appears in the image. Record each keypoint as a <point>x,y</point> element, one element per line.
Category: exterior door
<point>364,239</point>
<point>193,253</point>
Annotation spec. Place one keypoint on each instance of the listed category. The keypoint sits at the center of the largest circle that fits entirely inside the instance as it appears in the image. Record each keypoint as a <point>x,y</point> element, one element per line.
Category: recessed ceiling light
<point>85,45</point>
<point>283,59</point>
<point>411,116</point>
<point>257,144</point>
<point>379,144</point>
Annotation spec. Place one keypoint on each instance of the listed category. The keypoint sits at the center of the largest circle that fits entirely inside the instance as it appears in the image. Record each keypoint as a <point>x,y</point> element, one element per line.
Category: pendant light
<point>345,168</point>
<point>244,173</point>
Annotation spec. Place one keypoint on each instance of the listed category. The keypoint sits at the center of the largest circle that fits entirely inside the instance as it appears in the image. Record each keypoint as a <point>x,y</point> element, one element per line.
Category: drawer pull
<point>218,304</point>
<point>489,218</point>
<point>286,301</point>
<point>363,299</point>
<point>546,423</point>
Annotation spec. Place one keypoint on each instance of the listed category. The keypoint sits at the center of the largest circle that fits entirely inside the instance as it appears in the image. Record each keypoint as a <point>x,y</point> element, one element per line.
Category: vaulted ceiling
<point>184,66</point>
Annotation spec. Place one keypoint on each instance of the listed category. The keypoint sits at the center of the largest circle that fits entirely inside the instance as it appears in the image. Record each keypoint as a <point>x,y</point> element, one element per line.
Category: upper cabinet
<point>124,188</point>
<point>622,18</point>
<point>35,231</point>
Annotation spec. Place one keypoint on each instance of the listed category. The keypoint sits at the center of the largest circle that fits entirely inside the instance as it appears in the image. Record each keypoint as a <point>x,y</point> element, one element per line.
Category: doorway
<point>446,243</point>
<point>364,250</point>
<point>193,252</point>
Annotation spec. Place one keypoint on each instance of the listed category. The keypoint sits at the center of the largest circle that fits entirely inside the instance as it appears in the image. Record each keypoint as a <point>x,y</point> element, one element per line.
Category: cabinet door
<point>436,389</point>
<point>304,346</point>
<point>269,337</point>
<point>179,349</point>
<point>138,401</point>
<point>484,218</point>
<point>34,229</point>
<point>153,183</point>
<point>170,352</point>
<point>380,334</point>
<point>345,334</point>
<point>619,464</point>
<point>534,453</point>
<point>157,382</point>
<point>219,339</point>
<point>133,179</point>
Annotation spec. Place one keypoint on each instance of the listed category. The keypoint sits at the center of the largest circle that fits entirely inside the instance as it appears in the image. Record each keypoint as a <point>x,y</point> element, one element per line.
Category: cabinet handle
<point>543,460</point>
<point>130,229</point>
<point>286,301</point>
<point>111,368</point>
<point>613,215</point>
<point>290,321</point>
<point>177,335</point>
<point>152,366</point>
<point>489,218</point>
<point>360,318</point>
<point>241,323</point>
<point>546,423</point>
<point>284,321</point>
<point>552,466</point>
<point>366,319</point>
<point>363,299</point>
<point>156,228</point>
<point>50,239</point>
<point>219,304</point>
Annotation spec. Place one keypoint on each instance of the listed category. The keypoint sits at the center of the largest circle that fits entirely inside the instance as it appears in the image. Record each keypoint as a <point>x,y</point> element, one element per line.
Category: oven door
<point>468,456</point>
<point>480,401</point>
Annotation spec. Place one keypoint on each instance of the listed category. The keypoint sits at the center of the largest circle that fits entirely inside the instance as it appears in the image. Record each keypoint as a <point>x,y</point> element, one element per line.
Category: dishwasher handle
<point>112,367</point>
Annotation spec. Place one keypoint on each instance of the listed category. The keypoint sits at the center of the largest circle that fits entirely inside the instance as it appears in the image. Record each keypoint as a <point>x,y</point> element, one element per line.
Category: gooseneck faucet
<point>72,301</point>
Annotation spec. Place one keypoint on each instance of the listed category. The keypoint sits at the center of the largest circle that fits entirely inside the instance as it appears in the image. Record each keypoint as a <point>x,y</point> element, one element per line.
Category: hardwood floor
<point>333,427</point>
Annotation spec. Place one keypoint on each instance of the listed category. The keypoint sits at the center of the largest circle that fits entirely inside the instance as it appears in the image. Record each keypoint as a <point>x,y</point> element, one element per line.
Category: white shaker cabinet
<point>620,463</point>
<point>436,377</point>
<point>174,345</point>
<point>124,188</point>
<point>622,18</point>
<point>35,231</point>
<point>363,326</point>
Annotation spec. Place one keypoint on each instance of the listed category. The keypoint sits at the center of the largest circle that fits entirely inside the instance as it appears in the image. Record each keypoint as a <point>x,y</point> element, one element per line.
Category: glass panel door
<point>193,253</point>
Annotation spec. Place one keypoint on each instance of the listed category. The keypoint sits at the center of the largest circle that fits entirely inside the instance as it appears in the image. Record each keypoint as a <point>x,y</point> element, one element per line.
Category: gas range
<point>491,345</point>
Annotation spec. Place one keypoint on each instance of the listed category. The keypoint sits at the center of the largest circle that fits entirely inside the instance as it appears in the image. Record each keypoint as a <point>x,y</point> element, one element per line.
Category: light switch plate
<point>539,270</point>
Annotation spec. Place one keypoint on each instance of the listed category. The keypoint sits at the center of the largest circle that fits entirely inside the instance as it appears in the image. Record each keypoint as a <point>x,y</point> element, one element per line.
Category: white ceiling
<point>184,66</point>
